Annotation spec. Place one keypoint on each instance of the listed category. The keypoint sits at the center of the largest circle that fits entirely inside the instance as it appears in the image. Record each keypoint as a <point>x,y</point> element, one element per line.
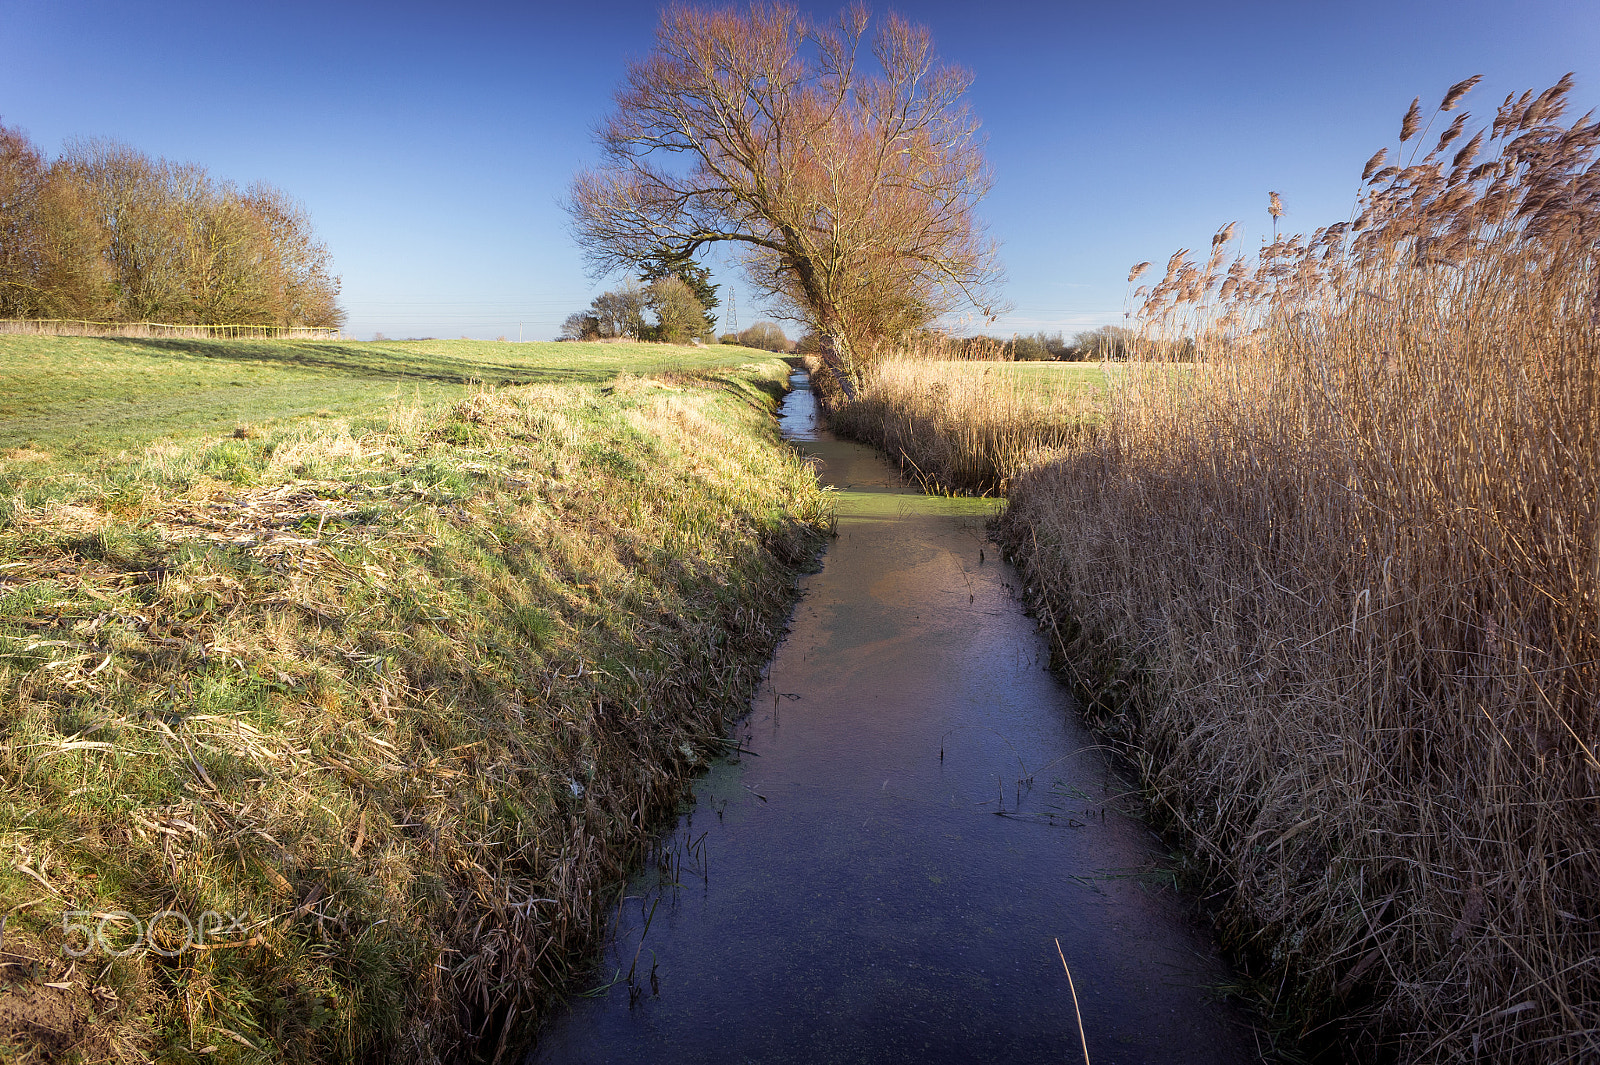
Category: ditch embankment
<point>911,839</point>
<point>323,738</point>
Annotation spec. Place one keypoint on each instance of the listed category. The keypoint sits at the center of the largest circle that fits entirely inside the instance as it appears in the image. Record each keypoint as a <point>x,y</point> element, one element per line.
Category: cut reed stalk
<point>1084,1039</point>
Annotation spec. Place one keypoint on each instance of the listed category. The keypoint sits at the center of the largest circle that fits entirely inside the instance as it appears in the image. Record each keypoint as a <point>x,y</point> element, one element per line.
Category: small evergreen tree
<point>667,263</point>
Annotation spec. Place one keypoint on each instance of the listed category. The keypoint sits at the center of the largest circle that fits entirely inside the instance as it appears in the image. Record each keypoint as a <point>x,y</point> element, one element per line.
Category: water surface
<point>919,817</point>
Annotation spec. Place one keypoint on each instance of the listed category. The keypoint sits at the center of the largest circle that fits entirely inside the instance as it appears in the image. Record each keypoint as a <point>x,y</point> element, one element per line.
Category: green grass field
<point>1064,376</point>
<point>403,653</point>
<point>77,397</point>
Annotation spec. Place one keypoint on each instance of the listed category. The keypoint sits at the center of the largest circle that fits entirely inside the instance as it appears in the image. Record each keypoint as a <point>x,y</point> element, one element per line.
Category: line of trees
<point>622,313</point>
<point>1110,343</point>
<point>767,336</point>
<point>671,285</point>
<point>107,233</point>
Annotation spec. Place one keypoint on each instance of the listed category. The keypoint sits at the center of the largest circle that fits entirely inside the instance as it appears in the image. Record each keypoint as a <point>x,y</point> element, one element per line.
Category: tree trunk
<point>836,356</point>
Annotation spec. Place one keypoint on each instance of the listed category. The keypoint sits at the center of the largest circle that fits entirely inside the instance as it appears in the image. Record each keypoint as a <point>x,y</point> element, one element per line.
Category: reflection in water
<point>915,818</point>
<point>798,418</point>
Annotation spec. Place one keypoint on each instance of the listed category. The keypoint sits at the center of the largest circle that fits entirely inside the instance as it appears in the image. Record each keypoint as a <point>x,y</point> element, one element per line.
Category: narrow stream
<point>919,817</point>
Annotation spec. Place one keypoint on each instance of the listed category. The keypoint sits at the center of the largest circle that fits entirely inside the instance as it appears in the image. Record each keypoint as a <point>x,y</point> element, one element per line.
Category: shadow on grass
<point>366,360</point>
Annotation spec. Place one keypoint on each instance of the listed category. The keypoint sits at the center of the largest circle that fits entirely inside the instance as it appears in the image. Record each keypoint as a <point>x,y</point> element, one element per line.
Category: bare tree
<point>620,312</point>
<point>580,325</point>
<point>127,195</point>
<point>106,231</point>
<point>1109,342</point>
<point>300,287</point>
<point>22,184</point>
<point>768,336</point>
<point>849,195</point>
<point>50,264</point>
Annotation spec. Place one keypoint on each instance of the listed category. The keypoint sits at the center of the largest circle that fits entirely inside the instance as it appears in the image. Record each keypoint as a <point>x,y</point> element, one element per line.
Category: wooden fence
<point>78,327</point>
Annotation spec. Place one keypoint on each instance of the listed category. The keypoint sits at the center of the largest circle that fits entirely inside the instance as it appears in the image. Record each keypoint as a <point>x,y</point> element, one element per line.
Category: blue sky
<point>432,142</point>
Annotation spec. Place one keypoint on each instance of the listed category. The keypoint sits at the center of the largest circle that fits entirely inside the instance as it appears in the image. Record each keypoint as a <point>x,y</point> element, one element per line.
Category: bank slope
<point>367,710</point>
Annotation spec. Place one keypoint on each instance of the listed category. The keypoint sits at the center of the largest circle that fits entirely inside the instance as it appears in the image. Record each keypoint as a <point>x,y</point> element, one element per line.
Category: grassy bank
<point>969,426</point>
<point>1333,589</point>
<point>81,396</point>
<point>367,708</point>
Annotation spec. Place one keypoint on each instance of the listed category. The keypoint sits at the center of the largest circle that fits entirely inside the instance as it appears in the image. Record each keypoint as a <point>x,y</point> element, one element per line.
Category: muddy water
<point>916,818</point>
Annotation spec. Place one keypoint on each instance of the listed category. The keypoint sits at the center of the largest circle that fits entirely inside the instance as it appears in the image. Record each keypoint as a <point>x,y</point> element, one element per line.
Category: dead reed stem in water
<point>1076,1011</point>
<point>1336,585</point>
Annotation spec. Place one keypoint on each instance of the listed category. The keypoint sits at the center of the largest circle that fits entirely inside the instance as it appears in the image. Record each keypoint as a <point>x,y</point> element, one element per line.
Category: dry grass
<point>80,327</point>
<point>408,692</point>
<point>1338,592</point>
<point>968,425</point>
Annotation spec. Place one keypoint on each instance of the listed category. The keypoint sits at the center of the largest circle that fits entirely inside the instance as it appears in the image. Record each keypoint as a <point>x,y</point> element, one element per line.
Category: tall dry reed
<point>956,421</point>
<point>1337,590</point>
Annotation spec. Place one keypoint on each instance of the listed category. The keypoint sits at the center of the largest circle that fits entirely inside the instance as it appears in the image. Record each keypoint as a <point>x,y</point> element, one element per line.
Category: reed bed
<point>1335,591</point>
<point>968,424</point>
